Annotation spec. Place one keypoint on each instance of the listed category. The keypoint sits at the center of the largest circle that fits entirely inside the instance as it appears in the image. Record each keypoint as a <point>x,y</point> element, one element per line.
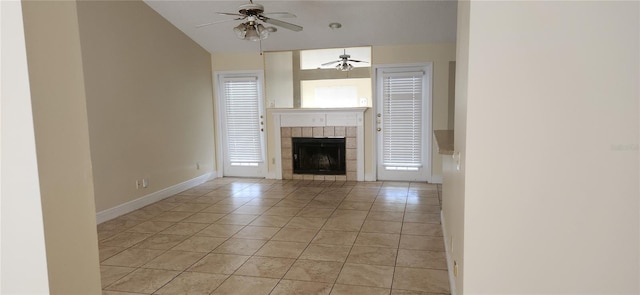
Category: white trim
<point>452,278</point>
<point>151,198</point>
<point>278,147</point>
<point>436,179</point>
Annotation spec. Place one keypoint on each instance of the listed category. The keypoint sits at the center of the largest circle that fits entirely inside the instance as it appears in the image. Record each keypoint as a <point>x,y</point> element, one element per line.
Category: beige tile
<point>174,260</point>
<point>161,242</point>
<point>340,131</point>
<point>352,131</point>
<point>419,208</point>
<point>373,255</point>
<point>332,237</point>
<point>272,220</point>
<point>366,275</point>
<point>422,229</point>
<point>184,229</point>
<point>385,216</point>
<point>204,217</point>
<point>296,132</point>
<point>377,226</point>
<point>353,205</point>
<point>378,240</point>
<point>314,270</point>
<point>292,203</point>
<point>118,224</point>
<point>306,222</point>
<point>191,207</point>
<point>318,132</point>
<point>220,208</point>
<point>422,259</point>
<point>326,252</point>
<point>269,267</point>
<point>237,219</point>
<point>421,279</point>
<point>151,226</point>
<point>220,230</point>
<point>285,131</point>
<point>316,212</point>
<point>110,274</point>
<point>133,257</point>
<point>286,287</point>
<point>106,292</point>
<point>283,211</point>
<point>422,217</point>
<point>125,239</point>
<point>407,292</point>
<point>256,232</point>
<point>358,290</point>
<point>237,285</point>
<point>282,249</point>
<point>219,263</point>
<point>106,252</point>
<point>199,244</point>
<point>394,207</point>
<point>143,281</point>
<point>421,243</point>
<point>351,221</point>
<point>172,216</point>
<point>248,209</point>
<point>303,235</point>
<point>240,246</point>
<point>192,283</point>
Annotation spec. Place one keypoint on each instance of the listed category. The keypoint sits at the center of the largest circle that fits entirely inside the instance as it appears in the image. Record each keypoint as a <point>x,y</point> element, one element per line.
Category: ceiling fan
<point>252,29</point>
<point>343,62</point>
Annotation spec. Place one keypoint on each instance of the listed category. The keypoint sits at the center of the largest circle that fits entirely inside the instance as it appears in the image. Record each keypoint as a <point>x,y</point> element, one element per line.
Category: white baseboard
<point>436,179</point>
<point>452,282</point>
<point>271,175</point>
<point>138,203</point>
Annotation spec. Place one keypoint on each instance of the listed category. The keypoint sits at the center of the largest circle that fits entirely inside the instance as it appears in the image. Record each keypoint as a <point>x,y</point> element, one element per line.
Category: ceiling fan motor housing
<point>251,9</point>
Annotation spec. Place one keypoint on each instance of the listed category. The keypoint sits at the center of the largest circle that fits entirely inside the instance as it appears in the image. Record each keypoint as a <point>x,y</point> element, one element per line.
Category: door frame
<point>428,106</point>
<point>219,152</point>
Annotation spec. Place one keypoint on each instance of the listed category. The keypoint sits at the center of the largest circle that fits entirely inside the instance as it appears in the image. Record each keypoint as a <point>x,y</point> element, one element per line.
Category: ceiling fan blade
<point>355,60</point>
<point>280,23</point>
<point>280,14</point>
<point>229,13</point>
<point>328,63</point>
<point>213,23</point>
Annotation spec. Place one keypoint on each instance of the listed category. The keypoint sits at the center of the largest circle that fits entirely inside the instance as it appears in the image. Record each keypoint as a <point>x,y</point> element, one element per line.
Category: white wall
<point>23,267</point>
<point>551,195</point>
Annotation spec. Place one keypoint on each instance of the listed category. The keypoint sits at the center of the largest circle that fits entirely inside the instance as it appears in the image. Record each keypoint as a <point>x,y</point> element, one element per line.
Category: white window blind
<point>402,120</point>
<point>243,124</point>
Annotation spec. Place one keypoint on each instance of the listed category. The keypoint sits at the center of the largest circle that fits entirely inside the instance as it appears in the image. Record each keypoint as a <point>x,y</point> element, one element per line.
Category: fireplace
<point>320,156</point>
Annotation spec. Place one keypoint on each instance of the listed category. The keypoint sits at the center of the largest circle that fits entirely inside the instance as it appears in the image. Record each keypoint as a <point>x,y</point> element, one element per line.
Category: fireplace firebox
<point>323,156</point>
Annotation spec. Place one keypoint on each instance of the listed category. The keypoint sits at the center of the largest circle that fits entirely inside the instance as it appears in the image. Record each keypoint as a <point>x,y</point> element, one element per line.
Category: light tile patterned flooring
<point>256,236</point>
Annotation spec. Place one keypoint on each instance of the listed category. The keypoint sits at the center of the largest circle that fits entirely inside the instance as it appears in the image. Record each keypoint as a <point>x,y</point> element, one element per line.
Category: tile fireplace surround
<point>320,123</point>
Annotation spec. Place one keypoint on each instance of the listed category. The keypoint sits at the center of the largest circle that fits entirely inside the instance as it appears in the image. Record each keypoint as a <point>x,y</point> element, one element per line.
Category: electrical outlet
<point>145,183</point>
<point>455,268</point>
<point>138,184</point>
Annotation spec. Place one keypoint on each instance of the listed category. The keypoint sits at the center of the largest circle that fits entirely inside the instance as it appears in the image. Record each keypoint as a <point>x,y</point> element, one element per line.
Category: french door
<point>403,119</point>
<point>242,124</point>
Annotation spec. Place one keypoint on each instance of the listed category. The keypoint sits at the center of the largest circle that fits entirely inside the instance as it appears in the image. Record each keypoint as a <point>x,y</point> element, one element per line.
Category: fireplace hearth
<point>320,156</point>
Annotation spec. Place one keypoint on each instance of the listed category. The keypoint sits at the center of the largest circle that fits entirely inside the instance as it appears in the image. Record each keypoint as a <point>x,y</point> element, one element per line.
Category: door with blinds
<point>242,122</point>
<point>403,123</point>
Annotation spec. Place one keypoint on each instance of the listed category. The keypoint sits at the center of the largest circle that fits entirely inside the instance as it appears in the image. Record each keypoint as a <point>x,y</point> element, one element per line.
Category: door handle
<point>379,129</point>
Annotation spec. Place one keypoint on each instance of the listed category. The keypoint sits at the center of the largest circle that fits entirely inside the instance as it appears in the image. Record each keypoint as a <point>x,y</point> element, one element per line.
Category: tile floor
<point>256,236</point>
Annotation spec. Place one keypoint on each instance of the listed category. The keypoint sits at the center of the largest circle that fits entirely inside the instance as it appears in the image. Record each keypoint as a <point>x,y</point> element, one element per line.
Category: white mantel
<point>324,117</point>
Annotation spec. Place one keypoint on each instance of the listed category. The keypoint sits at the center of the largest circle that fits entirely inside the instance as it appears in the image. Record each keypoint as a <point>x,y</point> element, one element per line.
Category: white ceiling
<point>363,23</point>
